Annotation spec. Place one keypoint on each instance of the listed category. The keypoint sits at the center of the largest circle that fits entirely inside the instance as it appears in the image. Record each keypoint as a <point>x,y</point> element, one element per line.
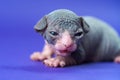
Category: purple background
<point>18,39</point>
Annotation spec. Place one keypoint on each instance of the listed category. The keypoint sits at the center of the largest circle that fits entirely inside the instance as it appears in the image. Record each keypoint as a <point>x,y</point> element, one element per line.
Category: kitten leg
<point>60,61</point>
<point>45,54</point>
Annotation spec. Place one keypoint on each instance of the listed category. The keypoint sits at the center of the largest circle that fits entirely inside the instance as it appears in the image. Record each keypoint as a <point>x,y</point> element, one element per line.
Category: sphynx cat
<point>74,39</point>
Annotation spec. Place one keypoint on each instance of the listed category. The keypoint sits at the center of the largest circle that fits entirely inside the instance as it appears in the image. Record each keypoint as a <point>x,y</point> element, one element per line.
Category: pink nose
<point>68,44</point>
<point>67,41</point>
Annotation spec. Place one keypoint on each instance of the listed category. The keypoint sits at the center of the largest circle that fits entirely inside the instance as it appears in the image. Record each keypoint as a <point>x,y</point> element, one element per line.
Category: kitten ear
<point>84,25</point>
<point>41,25</point>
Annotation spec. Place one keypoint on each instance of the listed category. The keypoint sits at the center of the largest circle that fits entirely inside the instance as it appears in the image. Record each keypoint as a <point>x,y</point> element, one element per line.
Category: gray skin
<point>99,42</point>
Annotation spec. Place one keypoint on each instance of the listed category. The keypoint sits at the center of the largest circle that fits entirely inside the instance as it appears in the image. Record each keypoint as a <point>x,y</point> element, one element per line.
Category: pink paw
<point>37,56</point>
<point>55,62</point>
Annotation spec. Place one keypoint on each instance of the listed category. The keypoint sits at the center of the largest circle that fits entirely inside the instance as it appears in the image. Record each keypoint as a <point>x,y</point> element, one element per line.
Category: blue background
<point>18,39</point>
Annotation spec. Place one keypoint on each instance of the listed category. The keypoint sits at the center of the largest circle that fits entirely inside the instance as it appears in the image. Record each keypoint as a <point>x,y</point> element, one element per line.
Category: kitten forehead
<point>63,19</point>
<point>65,25</point>
<point>61,14</point>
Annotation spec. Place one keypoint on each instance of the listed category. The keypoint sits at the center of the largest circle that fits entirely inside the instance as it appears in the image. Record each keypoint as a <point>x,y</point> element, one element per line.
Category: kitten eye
<point>78,34</point>
<point>53,33</point>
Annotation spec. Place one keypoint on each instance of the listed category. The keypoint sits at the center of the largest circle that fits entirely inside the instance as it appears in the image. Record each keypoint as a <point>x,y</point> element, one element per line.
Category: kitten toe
<point>56,63</point>
<point>49,62</point>
<point>62,63</point>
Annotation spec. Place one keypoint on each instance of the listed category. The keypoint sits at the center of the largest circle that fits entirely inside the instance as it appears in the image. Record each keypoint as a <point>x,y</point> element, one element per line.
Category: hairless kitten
<point>75,40</point>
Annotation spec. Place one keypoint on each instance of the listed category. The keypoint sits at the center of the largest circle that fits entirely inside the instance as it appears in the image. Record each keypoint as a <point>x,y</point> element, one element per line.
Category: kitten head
<point>62,29</point>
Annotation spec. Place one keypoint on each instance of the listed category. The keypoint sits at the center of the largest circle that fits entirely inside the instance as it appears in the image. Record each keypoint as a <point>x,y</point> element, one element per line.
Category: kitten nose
<point>68,45</point>
<point>66,40</point>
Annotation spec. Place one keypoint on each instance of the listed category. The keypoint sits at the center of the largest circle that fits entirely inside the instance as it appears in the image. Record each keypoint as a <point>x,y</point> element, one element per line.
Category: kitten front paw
<point>37,56</point>
<point>54,62</point>
<point>59,61</point>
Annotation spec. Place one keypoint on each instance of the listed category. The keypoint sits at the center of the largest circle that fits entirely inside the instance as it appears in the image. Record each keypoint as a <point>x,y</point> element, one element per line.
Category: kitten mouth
<point>64,52</point>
